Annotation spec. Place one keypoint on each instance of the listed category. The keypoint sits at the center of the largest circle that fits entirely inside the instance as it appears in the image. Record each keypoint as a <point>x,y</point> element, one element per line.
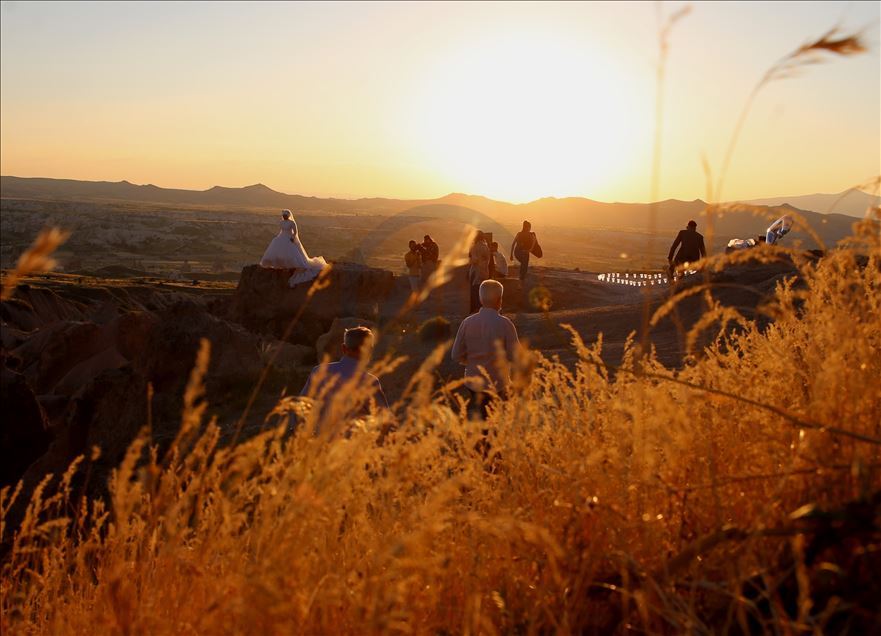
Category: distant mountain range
<point>257,195</point>
<point>563,212</point>
<point>852,202</point>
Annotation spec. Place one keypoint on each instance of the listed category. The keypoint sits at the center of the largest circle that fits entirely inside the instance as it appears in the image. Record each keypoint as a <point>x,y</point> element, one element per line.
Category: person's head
<point>491,292</point>
<point>286,215</point>
<point>479,237</point>
<point>358,342</point>
<point>527,226</point>
<point>427,239</point>
<point>412,245</point>
<point>493,247</point>
<point>692,225</point>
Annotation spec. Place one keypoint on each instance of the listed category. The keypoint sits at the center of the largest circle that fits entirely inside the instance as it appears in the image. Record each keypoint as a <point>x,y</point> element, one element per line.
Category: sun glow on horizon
<point>519,116</point>
<point>511,100</point>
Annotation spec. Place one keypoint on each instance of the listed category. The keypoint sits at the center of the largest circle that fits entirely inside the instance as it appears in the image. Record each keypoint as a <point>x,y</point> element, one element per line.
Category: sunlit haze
<point>512,101</point>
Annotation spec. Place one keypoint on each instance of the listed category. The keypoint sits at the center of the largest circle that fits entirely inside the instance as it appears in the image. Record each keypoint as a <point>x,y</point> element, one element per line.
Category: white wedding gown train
<point>287,252</point>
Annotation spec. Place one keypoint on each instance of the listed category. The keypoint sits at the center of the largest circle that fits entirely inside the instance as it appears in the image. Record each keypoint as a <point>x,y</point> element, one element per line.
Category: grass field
<point>643,500</point>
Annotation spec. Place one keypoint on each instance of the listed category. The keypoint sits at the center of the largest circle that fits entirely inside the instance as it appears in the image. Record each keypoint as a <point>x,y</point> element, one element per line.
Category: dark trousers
<point>477,403</point>
<point>522,256</point>
<point>428,268</point>
<point>477,411</point>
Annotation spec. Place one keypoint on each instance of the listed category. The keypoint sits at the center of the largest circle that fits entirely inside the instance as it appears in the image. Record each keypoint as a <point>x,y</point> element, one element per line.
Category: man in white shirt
<point>476,347</point>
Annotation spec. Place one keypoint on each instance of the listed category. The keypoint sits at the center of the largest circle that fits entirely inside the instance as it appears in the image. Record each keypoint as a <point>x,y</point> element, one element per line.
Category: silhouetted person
<point>479,258</point>
<point>499,262</point>
<point>523,245</point>
<point>430,256</point>
<point>413,260</point>
<point>476,345</point>
<point>691,247</point>
<point>357,346</point>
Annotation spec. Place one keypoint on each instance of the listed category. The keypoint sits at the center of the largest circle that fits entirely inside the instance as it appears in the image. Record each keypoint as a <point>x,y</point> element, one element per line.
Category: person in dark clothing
<point>430,257</point>
<point>522,246</point>
<point>691,247</point>
<point>413,260</point>
<point>479,259</point>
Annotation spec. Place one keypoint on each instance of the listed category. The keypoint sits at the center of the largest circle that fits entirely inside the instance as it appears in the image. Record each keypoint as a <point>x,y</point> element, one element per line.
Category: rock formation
<point>264,303</point>
<point>24,434</point>
<point>78,358</point>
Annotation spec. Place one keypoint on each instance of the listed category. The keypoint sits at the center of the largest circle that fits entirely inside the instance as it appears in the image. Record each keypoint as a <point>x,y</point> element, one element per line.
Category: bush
<point>435,329</point>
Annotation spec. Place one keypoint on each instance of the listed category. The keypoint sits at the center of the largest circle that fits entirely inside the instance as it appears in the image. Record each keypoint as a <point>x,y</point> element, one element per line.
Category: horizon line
<point>447,195</point>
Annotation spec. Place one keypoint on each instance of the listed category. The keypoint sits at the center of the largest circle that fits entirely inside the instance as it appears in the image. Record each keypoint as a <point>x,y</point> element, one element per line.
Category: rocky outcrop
<point>284,356</point>
<point>171,346</point>
<point>93,378</point>
<point>24,434</point>
<point>264,303</point>
<point>32,308</point>
<point>52,352</point>
<point>89,353</point>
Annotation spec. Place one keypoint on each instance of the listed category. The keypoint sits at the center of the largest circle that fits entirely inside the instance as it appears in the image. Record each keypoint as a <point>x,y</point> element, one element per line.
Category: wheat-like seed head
<point>37,259</point>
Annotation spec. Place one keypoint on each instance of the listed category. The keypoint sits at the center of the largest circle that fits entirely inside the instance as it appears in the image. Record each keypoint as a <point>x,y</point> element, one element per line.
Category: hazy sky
<point>514,101</point>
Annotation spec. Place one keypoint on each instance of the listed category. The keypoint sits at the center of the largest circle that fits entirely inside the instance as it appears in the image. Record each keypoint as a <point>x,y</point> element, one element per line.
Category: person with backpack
<point>525,243</point>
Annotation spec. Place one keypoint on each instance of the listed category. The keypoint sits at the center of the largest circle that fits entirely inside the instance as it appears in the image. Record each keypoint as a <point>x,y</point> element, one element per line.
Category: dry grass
<point>634,499</point>
<point>598,485</point>
<point>813,52</point>
<point>37,259</point>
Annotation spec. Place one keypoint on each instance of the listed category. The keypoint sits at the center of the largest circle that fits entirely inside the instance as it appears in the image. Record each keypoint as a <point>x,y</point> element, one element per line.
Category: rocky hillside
<point>88,362</point>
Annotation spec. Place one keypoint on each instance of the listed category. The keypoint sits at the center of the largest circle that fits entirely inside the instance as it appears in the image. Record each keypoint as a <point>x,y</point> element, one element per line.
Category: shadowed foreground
<point>737,494</point>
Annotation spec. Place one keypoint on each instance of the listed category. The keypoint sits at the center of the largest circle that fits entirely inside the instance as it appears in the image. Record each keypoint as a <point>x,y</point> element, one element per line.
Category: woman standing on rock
<point>287,252</point>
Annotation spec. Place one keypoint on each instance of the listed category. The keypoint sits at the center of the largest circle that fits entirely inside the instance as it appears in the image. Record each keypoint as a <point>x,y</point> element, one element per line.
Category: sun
<point>519,117</point>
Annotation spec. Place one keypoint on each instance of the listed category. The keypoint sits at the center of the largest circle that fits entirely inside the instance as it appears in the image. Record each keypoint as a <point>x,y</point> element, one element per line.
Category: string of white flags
<point>637,279</point>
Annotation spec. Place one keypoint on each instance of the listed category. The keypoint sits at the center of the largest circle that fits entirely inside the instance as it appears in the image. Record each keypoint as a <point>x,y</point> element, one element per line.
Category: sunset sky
<point>512,101</point>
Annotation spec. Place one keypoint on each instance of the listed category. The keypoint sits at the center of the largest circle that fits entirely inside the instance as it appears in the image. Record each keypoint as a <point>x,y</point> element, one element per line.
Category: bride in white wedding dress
<point>287,252</point>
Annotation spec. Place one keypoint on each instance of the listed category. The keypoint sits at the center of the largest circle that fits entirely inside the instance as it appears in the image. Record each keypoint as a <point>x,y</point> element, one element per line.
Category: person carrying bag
<point>524,245</point>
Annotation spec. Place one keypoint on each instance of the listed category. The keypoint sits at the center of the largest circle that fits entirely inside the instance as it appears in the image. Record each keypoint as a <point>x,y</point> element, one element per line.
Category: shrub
<point>435,329</point>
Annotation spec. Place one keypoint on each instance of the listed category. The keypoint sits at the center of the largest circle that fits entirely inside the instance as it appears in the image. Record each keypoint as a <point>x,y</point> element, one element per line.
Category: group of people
<point>421,261</point>
<point>486,262</point>
<point>477,340</point>
<point>481,338</point>
<point>776,231</point>
<point>691,243</point>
